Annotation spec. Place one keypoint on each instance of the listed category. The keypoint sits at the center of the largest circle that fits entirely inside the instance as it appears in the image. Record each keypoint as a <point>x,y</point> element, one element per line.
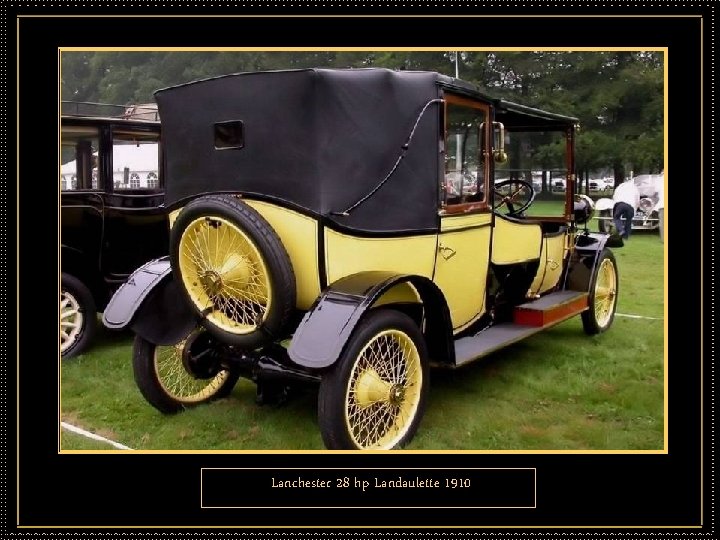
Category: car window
<point>135,160</point>
<point>464,179</point>
<point>536,158</point>
<point>79,158</point>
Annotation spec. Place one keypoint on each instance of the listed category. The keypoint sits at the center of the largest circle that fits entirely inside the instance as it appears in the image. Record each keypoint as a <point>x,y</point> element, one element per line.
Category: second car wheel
<point>233,269</point>
<point>374,396</point>
<point>175,377</point>
<point>603,295</point>
<point>78,316</point>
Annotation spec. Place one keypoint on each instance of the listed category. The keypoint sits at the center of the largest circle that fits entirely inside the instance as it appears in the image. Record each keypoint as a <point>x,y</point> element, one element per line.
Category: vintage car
<point>314,240</point>
<point>112,218</point>
<point>646,214</point>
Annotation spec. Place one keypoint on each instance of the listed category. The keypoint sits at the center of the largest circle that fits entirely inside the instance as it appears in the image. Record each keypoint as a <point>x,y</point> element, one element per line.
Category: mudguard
<point>151,304</point>
<point>588,247</point>
<point>326,327</point>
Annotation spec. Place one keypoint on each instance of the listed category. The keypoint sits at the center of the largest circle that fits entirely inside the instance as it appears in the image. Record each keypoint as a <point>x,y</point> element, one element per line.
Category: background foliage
<point>617,95</point>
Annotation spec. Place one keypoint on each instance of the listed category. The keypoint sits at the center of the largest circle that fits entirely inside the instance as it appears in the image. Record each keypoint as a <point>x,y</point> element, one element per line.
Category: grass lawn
<point>557,390</point>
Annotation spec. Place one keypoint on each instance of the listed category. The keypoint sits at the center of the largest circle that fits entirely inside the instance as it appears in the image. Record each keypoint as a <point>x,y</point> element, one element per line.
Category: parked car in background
<point>646,214</point>
<point>601,185</point>
<point>112,214</point>
<point>557,185</point>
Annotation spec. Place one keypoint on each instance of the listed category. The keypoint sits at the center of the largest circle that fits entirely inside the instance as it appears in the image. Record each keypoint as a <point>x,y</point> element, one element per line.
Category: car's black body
<point>106,233</point>
<point>345,133</point>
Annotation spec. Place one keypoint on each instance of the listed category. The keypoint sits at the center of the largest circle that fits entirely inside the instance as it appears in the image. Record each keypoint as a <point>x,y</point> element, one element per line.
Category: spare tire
<point>233,270</point>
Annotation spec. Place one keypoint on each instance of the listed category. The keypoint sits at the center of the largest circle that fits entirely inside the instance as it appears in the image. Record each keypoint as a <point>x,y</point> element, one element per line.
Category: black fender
<point>325,329</point>
<point>583,261</point>
<point>151,304</point>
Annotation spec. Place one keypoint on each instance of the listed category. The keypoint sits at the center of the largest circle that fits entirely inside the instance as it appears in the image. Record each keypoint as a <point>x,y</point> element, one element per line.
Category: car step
<point>552,308</point>
<point>529,318</point>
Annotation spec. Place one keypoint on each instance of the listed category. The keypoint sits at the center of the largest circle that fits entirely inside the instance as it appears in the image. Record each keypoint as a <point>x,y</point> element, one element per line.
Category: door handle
<point>447,253</point>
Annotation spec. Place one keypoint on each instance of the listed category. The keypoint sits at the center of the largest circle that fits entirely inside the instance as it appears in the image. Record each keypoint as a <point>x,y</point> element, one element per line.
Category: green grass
<point>73,441</point>
<point>547,208</point>
<point>558,390</point>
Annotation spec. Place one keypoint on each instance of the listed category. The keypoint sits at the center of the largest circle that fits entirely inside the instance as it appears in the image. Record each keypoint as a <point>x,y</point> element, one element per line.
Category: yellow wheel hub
<point>384,391</point>
<point>605,292</point>
<point>225,274</point>
<point>371,388</point>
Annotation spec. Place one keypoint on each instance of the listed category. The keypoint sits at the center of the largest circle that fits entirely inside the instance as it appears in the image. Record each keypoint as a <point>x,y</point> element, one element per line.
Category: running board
<point>537,316</point>
<point>552,308</point>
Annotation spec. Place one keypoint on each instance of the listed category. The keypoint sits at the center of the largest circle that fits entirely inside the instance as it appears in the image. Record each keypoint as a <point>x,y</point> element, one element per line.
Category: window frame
<point>67,131</point>
<point>120,131</point>
<point>475,206</point>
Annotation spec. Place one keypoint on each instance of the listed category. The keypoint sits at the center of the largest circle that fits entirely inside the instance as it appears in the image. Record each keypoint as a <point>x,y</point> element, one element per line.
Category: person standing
<point>627,199</point>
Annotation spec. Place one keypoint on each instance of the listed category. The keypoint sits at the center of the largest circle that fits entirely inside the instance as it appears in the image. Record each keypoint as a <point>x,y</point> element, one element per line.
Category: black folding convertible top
<point>321,140</point>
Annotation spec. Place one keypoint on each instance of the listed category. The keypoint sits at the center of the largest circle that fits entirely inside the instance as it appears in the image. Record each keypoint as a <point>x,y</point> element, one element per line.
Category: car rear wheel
<point>175,377</point>
<point>374,396</point>
<point>78,316</point>
<point>233,269</point>
<point>603,295</point>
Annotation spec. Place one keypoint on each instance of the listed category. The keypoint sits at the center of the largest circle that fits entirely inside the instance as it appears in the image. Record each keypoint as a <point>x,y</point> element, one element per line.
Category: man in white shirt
<point>627,199</point>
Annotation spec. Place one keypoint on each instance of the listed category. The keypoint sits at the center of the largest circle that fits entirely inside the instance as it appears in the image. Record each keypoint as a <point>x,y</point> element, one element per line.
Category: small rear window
<point>229,135</point>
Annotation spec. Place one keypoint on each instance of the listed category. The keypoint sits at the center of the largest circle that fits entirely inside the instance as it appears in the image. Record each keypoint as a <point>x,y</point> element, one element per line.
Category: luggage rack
<point>146,111</point>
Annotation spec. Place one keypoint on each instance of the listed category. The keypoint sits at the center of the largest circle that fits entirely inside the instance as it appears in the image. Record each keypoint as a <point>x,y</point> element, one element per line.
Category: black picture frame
<point>608,493</point>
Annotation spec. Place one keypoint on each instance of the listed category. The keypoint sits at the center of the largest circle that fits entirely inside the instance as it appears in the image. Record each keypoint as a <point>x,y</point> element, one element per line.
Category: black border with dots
<point>11,9</point>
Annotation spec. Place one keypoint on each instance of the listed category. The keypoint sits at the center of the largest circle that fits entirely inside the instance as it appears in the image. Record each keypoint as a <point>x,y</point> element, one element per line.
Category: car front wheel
<point>603,295</point>
<point>78,317</point>
<point>374,396</point>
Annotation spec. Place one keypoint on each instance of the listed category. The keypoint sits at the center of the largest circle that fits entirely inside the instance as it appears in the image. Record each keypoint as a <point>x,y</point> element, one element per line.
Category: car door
<point>463,250</point>
<point>81,199</point>
<point>136,228</point>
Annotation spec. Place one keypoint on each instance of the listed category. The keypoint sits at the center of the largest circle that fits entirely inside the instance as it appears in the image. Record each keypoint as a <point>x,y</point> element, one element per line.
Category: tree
<point>617,95</point>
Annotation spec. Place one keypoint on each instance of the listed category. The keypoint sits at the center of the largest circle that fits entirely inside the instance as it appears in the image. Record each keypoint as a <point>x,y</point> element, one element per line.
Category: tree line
<point>617,95</point>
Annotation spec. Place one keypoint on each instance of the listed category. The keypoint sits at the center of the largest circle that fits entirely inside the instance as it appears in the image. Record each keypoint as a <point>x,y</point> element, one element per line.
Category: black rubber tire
<point>276,259</point>
<point>603,225</point>
<point>334,384</point>
<point>591,326</point>
<point>71,285</point>
<point>146,379</point>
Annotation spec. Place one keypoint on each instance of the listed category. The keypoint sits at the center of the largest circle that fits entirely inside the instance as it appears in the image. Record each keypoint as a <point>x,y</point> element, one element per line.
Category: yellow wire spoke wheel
<point>168,384</point>
<point>603,295</point>
<point>178,383</point>
<point>605,292</point>
<point>383,393</point>
<point>233,270</point>
<point>374,397</point>
<point>223,272</point>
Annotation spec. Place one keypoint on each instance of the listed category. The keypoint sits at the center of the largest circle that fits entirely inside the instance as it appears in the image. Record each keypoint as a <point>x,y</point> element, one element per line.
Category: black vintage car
<point>351,228</point>
<point>112,215</point>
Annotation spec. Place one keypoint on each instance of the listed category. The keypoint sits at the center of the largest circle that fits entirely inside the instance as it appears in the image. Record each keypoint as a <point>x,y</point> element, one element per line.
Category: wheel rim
<point>177,382</point>
<point>605,292</point>
<point>71,320</point>
<point>225,275</point>
<point>383,392</point>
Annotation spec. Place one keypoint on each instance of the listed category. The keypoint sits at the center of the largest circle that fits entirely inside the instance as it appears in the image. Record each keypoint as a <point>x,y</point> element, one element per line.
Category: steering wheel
<point>513,192</point>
